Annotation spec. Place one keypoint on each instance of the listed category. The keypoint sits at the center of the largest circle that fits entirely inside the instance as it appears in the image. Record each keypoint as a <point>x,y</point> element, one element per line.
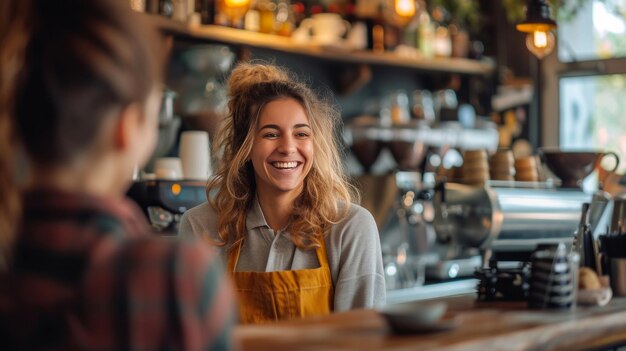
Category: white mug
<point>357,37</point>
<point>195,154</point>
<point>327,28</point>
<point>168,168</point>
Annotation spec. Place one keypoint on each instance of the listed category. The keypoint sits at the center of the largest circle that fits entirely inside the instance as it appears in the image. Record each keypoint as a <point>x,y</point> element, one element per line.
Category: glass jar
<point>399,107</point>
<point>423,106</point>
<point>267,16</point>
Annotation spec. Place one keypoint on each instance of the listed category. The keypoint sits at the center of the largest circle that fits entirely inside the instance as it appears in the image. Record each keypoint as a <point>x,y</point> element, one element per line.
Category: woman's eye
<point>270,135</point>
<point>302,134</point>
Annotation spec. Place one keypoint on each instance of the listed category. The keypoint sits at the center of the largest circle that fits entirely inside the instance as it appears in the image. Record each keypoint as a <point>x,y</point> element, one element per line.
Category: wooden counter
<point>481,326</point>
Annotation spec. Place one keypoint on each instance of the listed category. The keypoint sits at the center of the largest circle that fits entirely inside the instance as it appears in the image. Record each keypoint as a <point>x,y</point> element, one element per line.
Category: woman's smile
<point>285,165</point>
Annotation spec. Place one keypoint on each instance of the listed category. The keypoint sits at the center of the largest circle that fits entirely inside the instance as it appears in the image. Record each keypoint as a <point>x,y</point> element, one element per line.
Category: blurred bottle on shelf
<point>442,43</point>
<point>166,8</point>
<point>460,41</point>
<point>446,105</point>
<point>378,31</point>
<point>252,20</point>
<point>266,9</point>
<point>207,11</point>
<point>138,5</point>
<point>426,35</point>
<point>179,10</point>
<point>366,11</point>
<point>152,6</point>
<point>423,106</point>
<point>399,109</point>
<point>285,20</point>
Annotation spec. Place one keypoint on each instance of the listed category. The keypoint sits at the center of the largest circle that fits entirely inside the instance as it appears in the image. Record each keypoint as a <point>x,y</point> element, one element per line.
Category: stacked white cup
<point>195,154</point>
<point>168,168</point>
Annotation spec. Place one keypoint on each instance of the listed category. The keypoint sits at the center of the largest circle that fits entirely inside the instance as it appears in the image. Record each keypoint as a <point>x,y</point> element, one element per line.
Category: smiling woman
<point>294,242</point>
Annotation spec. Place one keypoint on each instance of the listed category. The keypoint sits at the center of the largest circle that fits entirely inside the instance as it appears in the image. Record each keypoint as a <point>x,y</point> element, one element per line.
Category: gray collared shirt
<point>352,247</point>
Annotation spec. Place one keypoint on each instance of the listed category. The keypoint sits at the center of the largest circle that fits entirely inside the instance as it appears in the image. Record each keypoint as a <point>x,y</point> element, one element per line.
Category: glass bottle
<point>207,11</point>
<point>166,7</point>
<point>266,10</point>
<point>399,107</point>
<point>285,21</point>
<point>442,44</point>
<point>426,35</point>
<point>423,106</point>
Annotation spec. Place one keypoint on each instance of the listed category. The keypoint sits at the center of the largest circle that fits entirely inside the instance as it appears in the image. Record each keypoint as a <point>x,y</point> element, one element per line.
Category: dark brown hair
<point>84,59</point>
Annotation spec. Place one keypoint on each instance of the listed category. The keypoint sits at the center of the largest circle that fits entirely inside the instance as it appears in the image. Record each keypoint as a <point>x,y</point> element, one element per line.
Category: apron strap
<point>322,256</point>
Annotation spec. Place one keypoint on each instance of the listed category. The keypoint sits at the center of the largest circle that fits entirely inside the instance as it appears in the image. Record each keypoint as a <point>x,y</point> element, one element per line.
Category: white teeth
<point>285,164</point>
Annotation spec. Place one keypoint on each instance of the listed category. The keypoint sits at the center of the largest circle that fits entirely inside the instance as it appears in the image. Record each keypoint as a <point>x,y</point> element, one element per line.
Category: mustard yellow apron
<point>272,296</point>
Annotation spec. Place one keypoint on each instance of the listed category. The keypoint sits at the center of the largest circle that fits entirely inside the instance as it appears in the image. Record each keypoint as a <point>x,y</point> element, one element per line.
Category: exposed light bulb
<point>540,43</point>
<point>540,39</point>
<point>405,8</point>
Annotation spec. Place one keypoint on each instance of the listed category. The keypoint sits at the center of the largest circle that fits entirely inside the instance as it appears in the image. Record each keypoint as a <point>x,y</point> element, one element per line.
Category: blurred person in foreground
<point>85,272</point>
<point>283,213</point>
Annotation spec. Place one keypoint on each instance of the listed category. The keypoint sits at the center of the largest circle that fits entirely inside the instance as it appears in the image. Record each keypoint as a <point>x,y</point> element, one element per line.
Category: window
<point>592,79</point>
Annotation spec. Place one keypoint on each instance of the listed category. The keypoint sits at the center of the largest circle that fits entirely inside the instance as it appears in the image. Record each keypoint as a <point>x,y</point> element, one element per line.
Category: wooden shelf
<point>167,25</point>
<point>277,43</point>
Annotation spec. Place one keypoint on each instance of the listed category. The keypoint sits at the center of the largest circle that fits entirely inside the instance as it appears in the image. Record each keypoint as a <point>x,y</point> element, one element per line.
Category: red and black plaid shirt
<point>86,274</point>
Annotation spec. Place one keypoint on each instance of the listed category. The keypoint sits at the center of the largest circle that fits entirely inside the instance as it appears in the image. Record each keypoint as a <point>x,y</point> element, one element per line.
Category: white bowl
<point>211,59</point>
<point>416,316</point>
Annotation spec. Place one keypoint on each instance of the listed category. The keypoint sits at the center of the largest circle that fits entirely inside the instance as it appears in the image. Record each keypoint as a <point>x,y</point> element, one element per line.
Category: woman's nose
<point>287,145</point>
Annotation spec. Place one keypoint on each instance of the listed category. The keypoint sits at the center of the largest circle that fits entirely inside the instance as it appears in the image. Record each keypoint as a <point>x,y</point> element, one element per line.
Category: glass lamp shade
<point>540,43</point>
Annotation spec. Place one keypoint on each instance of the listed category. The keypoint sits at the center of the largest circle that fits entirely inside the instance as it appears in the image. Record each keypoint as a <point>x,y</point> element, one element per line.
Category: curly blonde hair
<point>326,193</point>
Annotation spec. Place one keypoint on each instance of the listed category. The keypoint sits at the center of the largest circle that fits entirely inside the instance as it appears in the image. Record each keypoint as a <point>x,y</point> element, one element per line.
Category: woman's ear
<point>136,129</point>
<point>127,127</point>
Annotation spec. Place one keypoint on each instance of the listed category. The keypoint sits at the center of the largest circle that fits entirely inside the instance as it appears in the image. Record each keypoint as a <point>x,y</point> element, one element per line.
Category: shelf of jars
<point>338,53</point>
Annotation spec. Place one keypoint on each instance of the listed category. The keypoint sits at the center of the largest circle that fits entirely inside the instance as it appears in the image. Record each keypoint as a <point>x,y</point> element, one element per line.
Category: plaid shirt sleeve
<point>156,295</point>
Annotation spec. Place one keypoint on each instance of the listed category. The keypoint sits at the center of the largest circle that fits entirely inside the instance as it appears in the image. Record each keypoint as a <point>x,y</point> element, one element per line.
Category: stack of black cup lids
<point>552,281</point>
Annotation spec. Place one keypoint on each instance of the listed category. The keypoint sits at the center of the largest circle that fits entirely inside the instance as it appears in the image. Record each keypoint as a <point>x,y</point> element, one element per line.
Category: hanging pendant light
<point>539,25</point>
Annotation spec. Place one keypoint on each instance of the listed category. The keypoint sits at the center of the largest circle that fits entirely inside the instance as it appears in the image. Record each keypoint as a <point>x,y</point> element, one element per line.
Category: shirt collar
<point>255,217</point>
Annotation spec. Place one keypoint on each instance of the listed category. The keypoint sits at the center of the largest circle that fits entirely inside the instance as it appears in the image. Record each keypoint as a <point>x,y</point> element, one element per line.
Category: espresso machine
<point>164,201</point>
<point>506,224</point>
<point>448,230</point>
